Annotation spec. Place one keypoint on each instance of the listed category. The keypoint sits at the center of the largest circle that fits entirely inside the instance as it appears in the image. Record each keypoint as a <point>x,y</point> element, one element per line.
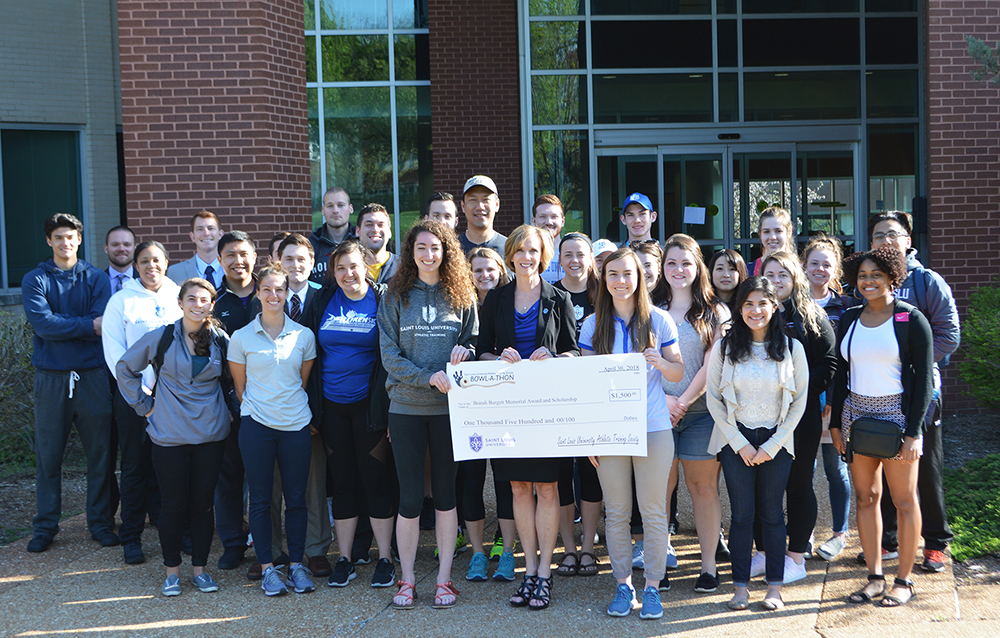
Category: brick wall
<point>214,116</point>
<point>964,159</point>
<point>475,100</point>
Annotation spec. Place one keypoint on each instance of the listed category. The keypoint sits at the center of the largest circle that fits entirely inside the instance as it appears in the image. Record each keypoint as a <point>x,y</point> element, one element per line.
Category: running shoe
<point>505,568</point>
<point>624,601</point>
<point>671,557</point>
<point>934,561</point>
<point>638,556</point>
<point>343,573</point>
<point>172,586</point>
<point>204,583</point>
<point>385,573</point>
<point>832,547</point>
<point>706,583</point>
<point>273,582</point>
<point>477,567</point>
<point>652,606</point>
<point>299,579</point>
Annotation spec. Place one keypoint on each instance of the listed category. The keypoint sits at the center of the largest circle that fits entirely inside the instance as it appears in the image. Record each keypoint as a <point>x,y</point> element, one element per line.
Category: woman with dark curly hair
<point>885,371</point>
<point>427,319</point>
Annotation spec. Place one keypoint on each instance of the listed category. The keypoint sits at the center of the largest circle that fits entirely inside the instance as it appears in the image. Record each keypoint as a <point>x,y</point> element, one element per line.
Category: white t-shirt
<point>876,369</point>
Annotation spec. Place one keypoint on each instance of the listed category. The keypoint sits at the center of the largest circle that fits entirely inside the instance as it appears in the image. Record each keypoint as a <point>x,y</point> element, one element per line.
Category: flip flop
<point>406,595</point>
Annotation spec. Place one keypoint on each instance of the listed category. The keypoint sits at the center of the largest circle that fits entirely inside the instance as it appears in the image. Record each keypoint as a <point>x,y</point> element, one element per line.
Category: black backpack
<point>164,344</point>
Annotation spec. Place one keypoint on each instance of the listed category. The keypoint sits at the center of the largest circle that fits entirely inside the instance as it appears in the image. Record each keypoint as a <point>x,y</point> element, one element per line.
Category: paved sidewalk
<point>78,587</point>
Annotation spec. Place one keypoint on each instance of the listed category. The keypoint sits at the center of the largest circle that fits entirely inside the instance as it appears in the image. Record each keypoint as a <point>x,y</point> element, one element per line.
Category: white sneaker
<point>757,565</point>
<point>832,548</point>
<point>638,556</point>
<point>793,571</point>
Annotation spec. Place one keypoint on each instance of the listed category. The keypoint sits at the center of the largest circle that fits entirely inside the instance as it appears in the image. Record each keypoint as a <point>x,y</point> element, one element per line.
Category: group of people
<point>322,374</point>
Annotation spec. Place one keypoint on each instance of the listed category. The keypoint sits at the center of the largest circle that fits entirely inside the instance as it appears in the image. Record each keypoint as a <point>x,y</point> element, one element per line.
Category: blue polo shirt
<point>665,334</point>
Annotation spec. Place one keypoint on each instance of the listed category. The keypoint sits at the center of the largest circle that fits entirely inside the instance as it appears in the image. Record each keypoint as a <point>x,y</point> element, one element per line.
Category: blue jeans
<point>840,487</point>
<point>292,450</point>
<point>756,489</point>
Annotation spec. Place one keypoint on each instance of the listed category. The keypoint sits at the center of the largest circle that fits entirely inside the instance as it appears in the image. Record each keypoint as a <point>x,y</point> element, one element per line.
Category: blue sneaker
<point>299,579</point>
<point>652,607</point>
<point>477,567</point>
<point>624,601</point>
<point>272,582</point>
<point>204,583</point>
<point>671,557</point>
<point>638,556</point>
<point>505,568</point>
<point>172,586</point>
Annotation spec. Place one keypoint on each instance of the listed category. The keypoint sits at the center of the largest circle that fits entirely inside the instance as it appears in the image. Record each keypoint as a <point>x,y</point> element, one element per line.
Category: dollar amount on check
<point>576,406</point>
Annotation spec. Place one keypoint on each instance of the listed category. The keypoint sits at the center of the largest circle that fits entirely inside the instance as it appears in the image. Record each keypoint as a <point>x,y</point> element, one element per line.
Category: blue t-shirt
<point>525,329</point>
<point>665,334</point>
<point>348,338</point>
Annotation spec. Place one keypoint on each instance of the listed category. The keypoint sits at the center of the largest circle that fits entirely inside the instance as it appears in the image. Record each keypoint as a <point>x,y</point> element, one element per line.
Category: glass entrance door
<point>716,193</point>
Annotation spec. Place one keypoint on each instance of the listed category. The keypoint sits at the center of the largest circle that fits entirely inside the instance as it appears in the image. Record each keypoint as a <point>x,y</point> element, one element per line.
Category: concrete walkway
<point>79,588</point>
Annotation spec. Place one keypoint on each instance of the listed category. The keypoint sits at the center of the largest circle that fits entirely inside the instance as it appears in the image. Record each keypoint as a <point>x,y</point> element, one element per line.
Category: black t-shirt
<point>581,305</point>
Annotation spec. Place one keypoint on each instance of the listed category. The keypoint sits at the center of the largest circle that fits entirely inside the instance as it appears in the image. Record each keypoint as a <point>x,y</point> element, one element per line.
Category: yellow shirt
<point>375,269</point>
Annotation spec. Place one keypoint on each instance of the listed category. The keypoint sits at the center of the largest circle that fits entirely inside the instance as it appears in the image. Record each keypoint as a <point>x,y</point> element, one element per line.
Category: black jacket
<point>556,321</point>
<point>917,364</point>
<point>229,309</point>
<point>822,358</point>
<point>378,398</point>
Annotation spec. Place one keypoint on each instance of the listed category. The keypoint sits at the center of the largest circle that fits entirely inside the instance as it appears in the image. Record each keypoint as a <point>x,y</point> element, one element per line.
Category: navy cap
<point>637,198</point>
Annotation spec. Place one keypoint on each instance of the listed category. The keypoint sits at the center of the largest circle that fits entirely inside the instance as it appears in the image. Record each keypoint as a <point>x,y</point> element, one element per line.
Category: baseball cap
<point>480,180</point>
<point>604,246</point>
<point>634,198</point>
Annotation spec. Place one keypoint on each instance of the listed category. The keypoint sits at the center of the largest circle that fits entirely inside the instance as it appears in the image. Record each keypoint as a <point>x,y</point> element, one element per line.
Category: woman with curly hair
<point>529,320</point>
<point>806,322</point>
<point>821,259</point>
<point>426,320</point>
<point>685,293</point>
<point>885,371</point>
<point>756,390</point>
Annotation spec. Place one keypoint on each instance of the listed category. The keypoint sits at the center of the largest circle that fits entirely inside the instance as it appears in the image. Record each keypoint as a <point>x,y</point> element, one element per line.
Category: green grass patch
<point>972,495</point>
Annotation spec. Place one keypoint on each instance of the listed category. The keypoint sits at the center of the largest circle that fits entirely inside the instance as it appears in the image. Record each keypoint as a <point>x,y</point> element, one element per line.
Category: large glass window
<point>40,177</point>
<point>368,85</point>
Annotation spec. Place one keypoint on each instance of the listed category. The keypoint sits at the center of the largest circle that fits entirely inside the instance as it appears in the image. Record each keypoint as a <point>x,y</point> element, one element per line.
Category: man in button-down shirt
<point>119,245</point>
<point>205,233</point>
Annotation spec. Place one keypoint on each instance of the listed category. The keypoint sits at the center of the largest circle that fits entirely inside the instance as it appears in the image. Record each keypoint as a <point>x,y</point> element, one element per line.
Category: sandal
<point>524,592</point>
<point>442,590</point>
<point>405,596</point>
<point>894,601</point>
<point>588,570</point>
<point>862,596</point>
<point>542,595</point>
<point>569,570</point>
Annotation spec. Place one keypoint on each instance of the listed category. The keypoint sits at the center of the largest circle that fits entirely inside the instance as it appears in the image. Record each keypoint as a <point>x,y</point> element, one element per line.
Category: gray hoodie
<point>187,411</point>
<point>416,341</point>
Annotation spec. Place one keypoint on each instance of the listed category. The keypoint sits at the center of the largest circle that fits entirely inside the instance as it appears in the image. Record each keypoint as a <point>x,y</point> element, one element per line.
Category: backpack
<point>164,344</point>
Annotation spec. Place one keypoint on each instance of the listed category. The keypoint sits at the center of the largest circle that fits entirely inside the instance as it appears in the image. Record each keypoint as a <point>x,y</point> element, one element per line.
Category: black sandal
<point>543,593</point>
<point>861,596</point>
<point>569,570</point>
<point>588,570</point>
<point>893,601</point>
<point>523,595</point>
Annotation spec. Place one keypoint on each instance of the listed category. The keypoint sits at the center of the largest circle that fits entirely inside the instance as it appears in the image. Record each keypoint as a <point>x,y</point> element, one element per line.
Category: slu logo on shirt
<point>429,313</point>
<point>351,321</point>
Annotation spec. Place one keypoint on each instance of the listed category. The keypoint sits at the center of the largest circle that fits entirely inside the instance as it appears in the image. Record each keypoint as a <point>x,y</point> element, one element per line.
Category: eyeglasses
<point>891,236</point>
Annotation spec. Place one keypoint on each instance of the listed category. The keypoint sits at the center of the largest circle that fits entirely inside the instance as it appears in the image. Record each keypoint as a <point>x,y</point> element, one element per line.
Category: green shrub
<point>980,365</point>
<point>972,496</point>
<point>17,409</point>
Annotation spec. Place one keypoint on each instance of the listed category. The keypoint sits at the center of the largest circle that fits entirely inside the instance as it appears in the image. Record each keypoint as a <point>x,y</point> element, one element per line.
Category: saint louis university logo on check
<point>475,442</point>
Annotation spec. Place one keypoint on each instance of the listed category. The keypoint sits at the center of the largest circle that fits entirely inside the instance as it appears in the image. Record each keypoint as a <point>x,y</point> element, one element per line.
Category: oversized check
<point>574,406</point>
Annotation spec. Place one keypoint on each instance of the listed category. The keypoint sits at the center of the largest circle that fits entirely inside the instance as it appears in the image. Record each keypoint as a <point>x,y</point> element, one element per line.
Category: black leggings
<point>590,485</point>
<point>412,436</point>
<point>187,476</point>
<point>356,455</point>
<point>471,482</point>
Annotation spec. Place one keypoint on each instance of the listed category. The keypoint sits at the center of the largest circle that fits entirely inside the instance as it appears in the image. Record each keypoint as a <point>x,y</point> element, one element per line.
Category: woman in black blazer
<point>529,319</point>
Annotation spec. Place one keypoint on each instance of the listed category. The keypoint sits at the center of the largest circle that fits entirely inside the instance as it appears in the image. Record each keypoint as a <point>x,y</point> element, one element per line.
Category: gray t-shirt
<point>497,243</point>
<point>693,354</point>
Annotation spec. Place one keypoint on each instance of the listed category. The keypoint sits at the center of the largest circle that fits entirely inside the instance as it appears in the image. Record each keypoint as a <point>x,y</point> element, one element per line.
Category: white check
<point>575,406</point>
